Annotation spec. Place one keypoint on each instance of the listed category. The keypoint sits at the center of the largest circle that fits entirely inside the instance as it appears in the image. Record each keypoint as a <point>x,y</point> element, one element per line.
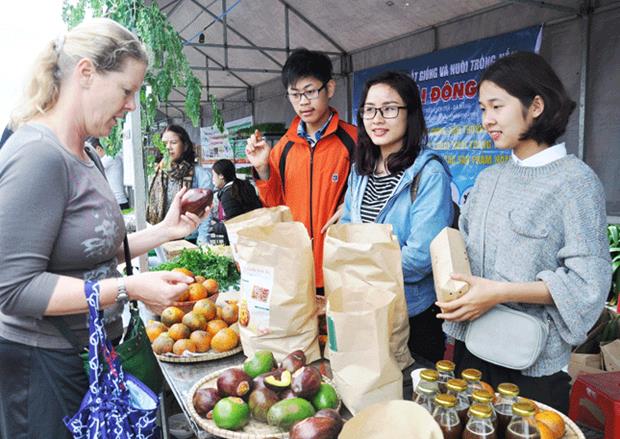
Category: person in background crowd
<point>171,177</point>
<point>235,196</point>
<point>113,172</point>
<point>203,178</point>
<point>534,228</point>
<point>308,168</point>
<point>68,229</point>
<point>390,154</point>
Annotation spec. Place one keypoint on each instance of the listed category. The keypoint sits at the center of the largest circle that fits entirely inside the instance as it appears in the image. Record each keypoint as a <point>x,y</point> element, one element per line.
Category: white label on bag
<point>256,286</point>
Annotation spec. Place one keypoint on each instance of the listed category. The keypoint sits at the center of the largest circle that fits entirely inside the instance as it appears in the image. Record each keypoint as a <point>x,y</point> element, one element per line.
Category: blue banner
<point>448,82</point>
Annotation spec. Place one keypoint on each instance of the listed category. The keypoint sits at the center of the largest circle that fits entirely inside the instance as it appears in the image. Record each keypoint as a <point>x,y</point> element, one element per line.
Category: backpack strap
<point>285,151</point>
<point>346,140</point>
<point>92,154</point>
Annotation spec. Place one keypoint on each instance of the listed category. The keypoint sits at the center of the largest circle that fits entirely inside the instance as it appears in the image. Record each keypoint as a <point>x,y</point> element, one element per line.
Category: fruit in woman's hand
<point>260,401</point>
<point>172,315</point>
<point>202,340</point>
<point>553,421</point>
<point>197,291</point>
<point>325,398</point>
<point>206,308</point>
<point>261,362</point>
<point>154,329</point>
<point>205,399</point>
<point>279,383</point>
<point>306,382</point>
<point>163,344</point>
<point>185,271</point>
<point>215,326</point>
<point>196,200</point>
<point>195,321</point>
<point>183,345</point>
<point>225,340</point>
<point>231,413</point>
<point>294,361</point>
<point>199,279</point>
<point>315,428</point>
<point>211,285</point>
<point>178,331</point>
<point>234,382</point>
<point>285,413</point>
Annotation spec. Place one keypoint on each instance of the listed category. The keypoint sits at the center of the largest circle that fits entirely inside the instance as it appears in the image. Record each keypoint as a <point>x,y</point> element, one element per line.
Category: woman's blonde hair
<point>105,42</point>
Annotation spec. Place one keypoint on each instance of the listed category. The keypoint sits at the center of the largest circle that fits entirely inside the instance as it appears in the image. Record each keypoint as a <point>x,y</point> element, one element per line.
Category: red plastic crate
<point>595,402</point>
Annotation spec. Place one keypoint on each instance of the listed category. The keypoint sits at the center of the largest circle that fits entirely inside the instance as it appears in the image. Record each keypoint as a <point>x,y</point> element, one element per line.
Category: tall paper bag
<point>277,310</point>
<point>368,256</point>
<point>449,255</point>
<point>358,325</point>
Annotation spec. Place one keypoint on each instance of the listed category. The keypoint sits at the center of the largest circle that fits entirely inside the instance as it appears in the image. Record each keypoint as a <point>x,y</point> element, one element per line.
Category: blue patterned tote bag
<point>117,404</point>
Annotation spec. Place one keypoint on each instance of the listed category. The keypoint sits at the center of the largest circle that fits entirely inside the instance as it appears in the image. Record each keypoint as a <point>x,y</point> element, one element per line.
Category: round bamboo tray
<point>253,430</point>
<point>197,358</point>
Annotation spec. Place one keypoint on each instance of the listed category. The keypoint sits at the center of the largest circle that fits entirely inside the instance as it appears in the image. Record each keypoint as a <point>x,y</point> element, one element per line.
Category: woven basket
<point>197,358</point>
<point>253,430</point>
<point>572,431</point>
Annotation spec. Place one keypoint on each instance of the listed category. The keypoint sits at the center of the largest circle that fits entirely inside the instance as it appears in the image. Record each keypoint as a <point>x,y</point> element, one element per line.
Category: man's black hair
<point>304,63</point>
<point>526,75</point>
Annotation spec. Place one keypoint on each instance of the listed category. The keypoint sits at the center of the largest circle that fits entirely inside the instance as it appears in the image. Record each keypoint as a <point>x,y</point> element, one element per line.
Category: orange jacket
<point>315,178</point>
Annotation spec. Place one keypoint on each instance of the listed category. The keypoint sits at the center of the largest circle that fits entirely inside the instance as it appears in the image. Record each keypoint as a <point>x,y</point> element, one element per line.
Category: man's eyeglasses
<point>389,112</point>
<point>308,94</point>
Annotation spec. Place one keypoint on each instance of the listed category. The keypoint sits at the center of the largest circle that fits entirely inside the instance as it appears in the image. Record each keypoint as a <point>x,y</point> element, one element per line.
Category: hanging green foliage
<point>168,68</point>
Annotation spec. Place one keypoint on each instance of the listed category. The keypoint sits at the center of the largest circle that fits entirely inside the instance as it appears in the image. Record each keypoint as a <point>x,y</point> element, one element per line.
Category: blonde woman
<point>60,225</point>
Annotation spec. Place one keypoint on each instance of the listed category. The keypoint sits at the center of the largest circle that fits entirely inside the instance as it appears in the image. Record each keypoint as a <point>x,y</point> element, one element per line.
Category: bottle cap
<point>429,375</point>
<point>524,408</point>
<point>508,389</point>
<point>480,411</point>
<point>445,366</point>
<point>456,385</point>
<point>471,375</point>
<point>482,396</point>
<point>445,400</point>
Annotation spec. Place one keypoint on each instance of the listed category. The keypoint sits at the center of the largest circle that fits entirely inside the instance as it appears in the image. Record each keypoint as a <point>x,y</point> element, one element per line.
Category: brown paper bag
<point>277,310</point>
<point>368,255</point>
<point>257,217</point>
<point>611,356</point>
<point>358,325</point>
<point>448,255</point>
<point>392,420</point>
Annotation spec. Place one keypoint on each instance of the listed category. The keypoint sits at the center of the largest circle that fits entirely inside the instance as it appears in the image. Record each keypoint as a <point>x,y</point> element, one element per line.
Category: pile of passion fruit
<point>291,396</point>
<point>205,327</point>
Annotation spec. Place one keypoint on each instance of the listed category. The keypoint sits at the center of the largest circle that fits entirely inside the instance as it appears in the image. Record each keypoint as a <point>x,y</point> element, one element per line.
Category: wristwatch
<point>121,295</point>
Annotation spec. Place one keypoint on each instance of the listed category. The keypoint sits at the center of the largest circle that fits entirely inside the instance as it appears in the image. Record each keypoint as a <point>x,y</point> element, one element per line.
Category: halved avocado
<point>279,383</point>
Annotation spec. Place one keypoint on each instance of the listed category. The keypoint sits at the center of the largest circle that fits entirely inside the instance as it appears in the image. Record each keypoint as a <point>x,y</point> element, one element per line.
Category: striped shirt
<point>376,195</point>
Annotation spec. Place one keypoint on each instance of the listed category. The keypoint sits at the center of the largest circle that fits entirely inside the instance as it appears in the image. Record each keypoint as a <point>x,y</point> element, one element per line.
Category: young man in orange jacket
<point>308,168</point>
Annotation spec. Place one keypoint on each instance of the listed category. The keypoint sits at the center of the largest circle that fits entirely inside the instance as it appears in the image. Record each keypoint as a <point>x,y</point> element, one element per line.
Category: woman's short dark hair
<point>226,169</point>
<point>241,190</point>
<point>526,75</point>
<point>304,63</point>
<point>189,155</point>
<point>367,153</point>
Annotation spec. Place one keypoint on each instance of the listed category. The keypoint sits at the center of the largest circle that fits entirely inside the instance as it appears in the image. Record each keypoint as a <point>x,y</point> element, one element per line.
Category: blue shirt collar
<point>303,133</point>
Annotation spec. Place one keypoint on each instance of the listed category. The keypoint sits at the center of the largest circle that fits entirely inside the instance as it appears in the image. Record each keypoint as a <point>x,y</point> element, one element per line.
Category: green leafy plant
<point>613,233</point>
<point>168,67</point>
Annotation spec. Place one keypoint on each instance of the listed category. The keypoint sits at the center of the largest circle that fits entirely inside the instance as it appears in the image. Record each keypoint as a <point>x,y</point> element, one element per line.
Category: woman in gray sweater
<point>534,229</point>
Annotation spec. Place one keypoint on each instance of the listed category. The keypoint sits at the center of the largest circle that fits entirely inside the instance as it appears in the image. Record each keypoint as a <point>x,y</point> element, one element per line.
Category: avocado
<point>261,362</point>
<point>231,413</point>
<point>325,398</point>
<point>285,413</point>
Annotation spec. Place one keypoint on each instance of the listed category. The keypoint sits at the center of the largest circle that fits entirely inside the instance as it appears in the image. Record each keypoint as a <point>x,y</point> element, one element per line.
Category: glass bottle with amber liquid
<point>446,416</point>
<point>446,372</point>
<point>479,425</point>
<point>458,388</point>
<point>473,377</point>
<point>508,394</point>
<point>427,388</point>
<point>484,397</point>
<point>523,424</point>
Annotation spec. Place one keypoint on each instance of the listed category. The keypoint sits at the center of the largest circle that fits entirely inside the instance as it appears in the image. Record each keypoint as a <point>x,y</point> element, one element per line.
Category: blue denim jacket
<point>415,224</point>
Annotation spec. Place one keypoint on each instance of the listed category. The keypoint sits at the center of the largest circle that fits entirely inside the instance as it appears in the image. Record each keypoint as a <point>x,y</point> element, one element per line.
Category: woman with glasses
<point>391,152</point>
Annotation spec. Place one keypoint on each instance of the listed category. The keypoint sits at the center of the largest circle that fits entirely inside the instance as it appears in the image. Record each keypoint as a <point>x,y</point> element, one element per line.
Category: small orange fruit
<point>183,345</point>
<point>219,312</point>
<point>154,329</point>
<point>206,308</point>
<point>545,432</point>
<point>230,313</point>
<point>194,321</point>
<point>211,285</point>
<point>553,421</point>
<point>199,279</point>
<point>172,315</point>
<point>202,340</point>
<point>163,344</point>
<point>197,291</point>
<point>225,340</point>
<point>214,326</point>
<point>184,297</point>
<point>178,331</point>
<point>185,271</point>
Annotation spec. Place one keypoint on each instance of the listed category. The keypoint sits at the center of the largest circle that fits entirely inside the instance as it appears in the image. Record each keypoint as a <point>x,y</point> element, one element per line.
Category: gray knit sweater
<point>523,224</point>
